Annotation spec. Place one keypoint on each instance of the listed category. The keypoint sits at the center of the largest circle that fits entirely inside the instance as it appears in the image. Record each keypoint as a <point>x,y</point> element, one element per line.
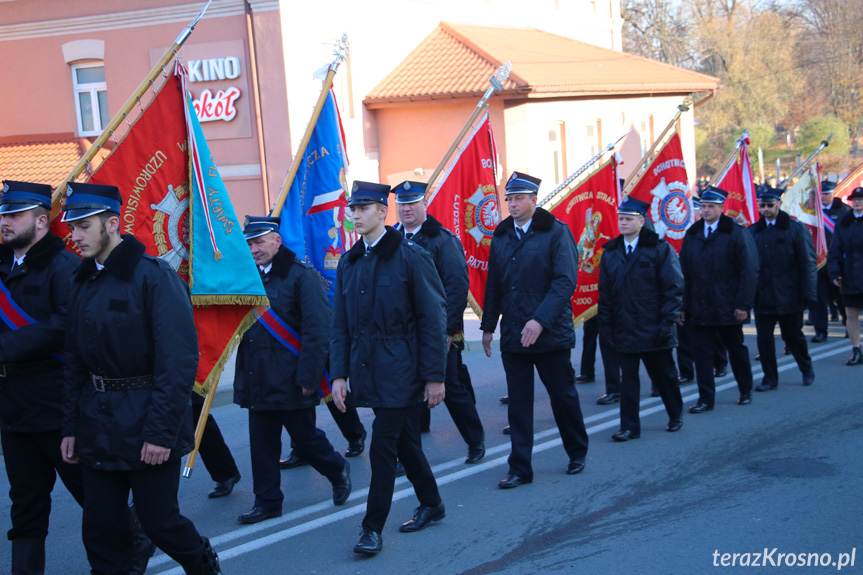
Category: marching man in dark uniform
<point>280,363</point>
<point>389,338</point>
<point>640,294</point>
<point>720,271</point>
<point>131,357</point>
<point>786,284</point>
<point>845,260</point>
<point>35,270</point>
<point>448,255</point>
<point>531,278</point>
<point>827,292</point>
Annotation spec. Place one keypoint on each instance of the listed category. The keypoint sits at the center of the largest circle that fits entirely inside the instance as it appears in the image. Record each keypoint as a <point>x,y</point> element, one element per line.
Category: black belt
<point>13,369</point>
<point>103,384</point>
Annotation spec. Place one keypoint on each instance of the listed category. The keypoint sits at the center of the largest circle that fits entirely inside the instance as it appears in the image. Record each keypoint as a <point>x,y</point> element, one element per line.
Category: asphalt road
<point>782,474</point>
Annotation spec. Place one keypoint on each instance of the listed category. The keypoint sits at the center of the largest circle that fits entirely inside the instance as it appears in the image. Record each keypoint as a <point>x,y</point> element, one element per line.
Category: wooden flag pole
<point>496,86</point>
<point>635,176</point>
<point>565,184</point>
<point>801,167</point>
<point>59,194</point>
<point>340,50</point>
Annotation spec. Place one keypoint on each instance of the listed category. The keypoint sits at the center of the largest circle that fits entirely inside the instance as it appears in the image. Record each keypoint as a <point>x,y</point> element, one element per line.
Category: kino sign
<point>210,107</point>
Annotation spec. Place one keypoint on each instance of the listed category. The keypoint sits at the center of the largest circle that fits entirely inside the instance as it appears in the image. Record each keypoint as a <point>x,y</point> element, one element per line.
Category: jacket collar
<point>39,255</point>
<point>542,221</point>
<point>725,225</point>
<point>646,238</point>
<point>121,262</point>
<point>282,261</point>
<point>846,221</point>
<point>431,227</point>
<point>783,220</point>
<point>385,249</point>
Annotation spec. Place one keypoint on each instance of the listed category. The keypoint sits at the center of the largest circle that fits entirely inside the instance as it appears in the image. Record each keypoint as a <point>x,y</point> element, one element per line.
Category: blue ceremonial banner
<point>313,217</point>
<point>222,269</point>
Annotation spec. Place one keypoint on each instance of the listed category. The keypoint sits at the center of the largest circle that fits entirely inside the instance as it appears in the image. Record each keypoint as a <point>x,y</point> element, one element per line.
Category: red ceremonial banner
<point>590,211</point>
<point>465,200</point>
<point>665,186</point>
<point>737,181</point>
<point>151,166</point>
<point>852,181</point>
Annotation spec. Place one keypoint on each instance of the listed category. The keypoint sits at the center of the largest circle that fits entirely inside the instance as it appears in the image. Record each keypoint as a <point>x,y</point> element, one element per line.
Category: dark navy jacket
<point>845,258</point>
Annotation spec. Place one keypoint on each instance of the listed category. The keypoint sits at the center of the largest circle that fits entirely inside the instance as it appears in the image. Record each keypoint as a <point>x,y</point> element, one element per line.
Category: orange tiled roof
<point>45,162</point>
<point>457,61</point>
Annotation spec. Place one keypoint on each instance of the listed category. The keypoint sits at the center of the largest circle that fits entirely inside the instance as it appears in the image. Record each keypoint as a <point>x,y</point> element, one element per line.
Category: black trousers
<point>826,293</point>
<point>33,463</point>
<point>686,352</point>
<point>396,435</point>
<point>660,367</point>
<point>460,401</point>
<point>555,372</point>
<point>265,445</point>
<point>703,338</point>
<point>348,422</point>
<point>610,363</point>
<point>215,453</point>
<point>105,526</point>
<point>791,328</point>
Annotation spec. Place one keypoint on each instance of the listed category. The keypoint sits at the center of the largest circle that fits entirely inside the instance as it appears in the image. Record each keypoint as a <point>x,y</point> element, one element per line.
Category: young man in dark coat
<point>827,292</point>
<point>280,363</point>
<point>720,272</point>
<point>640,294</point>
<point>532,274</point>
<point>448,255</point>
<point>35,270</point>
<point>786,285</point>
<point>389,337</point>
<point>131,357</point>
<point>845,262</point>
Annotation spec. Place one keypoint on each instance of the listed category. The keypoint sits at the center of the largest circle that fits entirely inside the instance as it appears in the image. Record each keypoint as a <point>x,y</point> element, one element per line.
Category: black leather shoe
<point>674,425</point>
<point>584,378</point>
<point>766,387</point>
<point>758,357</point>
<point>423,515</point>
<point>808,378</point>
<point>224,488</point>
<point>721,372</point>
<point>575,466</point>
<point>342,485</point>
<point>608,399</point>
<point>370,543</point>
<point>819,338</point>
<point>506,430</point>
<point>625,435</point>
<point>357,447</point>
<point>856,357</point>
<point>505,399</point>
<point>684,380</point>
<point>475,454</point>
<point>654,392</point>
<point>744,400</point>
<point>700,408</point>
<point>512,481</point>
<point>258,514</point>
<point>293,460</point>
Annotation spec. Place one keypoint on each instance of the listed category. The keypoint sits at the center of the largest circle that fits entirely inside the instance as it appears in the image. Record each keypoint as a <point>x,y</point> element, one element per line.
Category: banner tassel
<point>217,256</point>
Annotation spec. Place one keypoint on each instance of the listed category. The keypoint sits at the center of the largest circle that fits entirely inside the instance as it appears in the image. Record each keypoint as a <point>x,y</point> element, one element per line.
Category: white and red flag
<point>802,201</point>
<point>465,200</point>
<point>852,181</point>
<point>737,181</point>
<point>665,186</point>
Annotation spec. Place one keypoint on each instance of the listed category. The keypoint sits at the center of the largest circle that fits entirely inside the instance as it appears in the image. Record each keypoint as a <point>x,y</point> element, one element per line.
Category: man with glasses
<point>786,284</point>
<point>720,271</point>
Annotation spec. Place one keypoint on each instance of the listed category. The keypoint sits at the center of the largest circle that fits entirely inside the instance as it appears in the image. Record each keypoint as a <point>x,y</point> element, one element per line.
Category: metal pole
<point>801,167</point>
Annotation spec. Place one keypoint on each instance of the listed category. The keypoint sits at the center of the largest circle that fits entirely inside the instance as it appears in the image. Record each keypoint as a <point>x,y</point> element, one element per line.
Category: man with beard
<point>131,358</point>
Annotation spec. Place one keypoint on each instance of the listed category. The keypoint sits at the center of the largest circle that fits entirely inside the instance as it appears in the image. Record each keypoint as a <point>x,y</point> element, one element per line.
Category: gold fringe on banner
<point>229,299</point>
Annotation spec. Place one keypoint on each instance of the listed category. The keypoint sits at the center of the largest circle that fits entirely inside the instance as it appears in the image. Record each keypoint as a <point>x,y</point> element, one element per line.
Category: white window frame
<point>557,151</point>
<point>93,89</point>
